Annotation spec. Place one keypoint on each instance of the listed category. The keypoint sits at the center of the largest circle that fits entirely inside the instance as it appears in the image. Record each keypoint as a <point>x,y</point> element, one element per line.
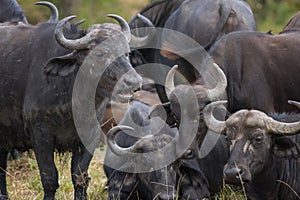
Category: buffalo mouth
<point>126,86</point>
<point>125,96</point>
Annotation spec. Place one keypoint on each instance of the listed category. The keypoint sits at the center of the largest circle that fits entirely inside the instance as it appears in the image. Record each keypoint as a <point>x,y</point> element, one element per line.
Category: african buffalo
<point>40,66</point>
<point>204,21</point>
<point>121,166</point>
<point>264,151</point>
<point>10,11</point>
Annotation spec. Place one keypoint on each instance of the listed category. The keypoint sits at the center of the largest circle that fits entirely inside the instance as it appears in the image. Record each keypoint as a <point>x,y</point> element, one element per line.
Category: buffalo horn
<point>79,22</point>
<point>142,41</point>
<point>295,103</point>
<point>54,12</point>
<point>124,26</point>
<point>81,43</point>
<point>283,128</point>
<point>211,122</point>
<point>219,90</point>
<point>213,94</point>
<point>169,85</point>
<point>114,147</point>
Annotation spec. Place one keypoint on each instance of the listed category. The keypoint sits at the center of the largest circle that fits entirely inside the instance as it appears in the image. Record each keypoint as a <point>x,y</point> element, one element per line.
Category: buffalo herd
<point>225,110</point>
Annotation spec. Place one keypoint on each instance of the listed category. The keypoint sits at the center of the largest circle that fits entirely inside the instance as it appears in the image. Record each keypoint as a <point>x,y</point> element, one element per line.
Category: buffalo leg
<point>3,164</point>
<point>79,167</point>
<point>44,152</point>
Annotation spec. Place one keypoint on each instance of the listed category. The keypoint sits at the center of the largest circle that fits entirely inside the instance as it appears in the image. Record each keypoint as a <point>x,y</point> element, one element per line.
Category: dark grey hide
<point>271,79</point>
<point>10,11</point>
<point>37,76</point>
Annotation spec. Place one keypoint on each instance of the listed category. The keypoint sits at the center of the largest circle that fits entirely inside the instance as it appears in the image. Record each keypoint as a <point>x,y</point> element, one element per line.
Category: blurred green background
<point>269,14</point>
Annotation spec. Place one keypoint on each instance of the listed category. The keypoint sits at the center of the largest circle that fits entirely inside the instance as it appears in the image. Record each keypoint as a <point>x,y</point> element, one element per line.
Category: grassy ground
<point>24,180</point>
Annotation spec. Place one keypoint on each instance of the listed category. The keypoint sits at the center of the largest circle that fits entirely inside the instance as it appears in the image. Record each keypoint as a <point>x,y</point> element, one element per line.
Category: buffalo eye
<point>189,154</point>
<point>226,138</point>
<point>229,141</point>
<point>258,139</point>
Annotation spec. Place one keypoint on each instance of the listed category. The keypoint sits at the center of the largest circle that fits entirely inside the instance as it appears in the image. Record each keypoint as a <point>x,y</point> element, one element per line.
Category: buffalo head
<point>180,97</point>
<point>253,139</point>
<point>103,52</point>
<point>157,184</point>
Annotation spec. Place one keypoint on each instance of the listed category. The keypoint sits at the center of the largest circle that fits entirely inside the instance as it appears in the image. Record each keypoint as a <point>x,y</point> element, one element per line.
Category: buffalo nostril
<point>232,174</point>
<point>128,81</point>
<point>239,173</point>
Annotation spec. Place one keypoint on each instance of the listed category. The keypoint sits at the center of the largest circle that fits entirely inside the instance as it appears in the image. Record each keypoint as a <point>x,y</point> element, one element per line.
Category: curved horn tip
<point>114,16</point>
<point>219,70</point>
<point>220,89</point>
<point>43,3</point>
<point>175,67</point>
<point>292,102</point>
<point>169,84</point>
<point>145,19</point>
<point>110,15</point>
<point>211,122</point>
<point>80,22</point>
<point>39,3</point>
<point>216,65</point>
<point>54,12</point>
<point>69,18</point>
<point>220,102</point>
<point>124,25</point>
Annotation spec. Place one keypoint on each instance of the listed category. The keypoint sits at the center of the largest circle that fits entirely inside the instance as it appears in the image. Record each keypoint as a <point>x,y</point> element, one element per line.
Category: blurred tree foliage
<point>94,11</point>
<point>273,14</point>
<point>269,14</point>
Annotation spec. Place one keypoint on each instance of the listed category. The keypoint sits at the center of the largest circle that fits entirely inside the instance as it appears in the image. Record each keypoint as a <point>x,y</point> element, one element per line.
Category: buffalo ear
<point>61,66</point>
<point>286,147</point>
